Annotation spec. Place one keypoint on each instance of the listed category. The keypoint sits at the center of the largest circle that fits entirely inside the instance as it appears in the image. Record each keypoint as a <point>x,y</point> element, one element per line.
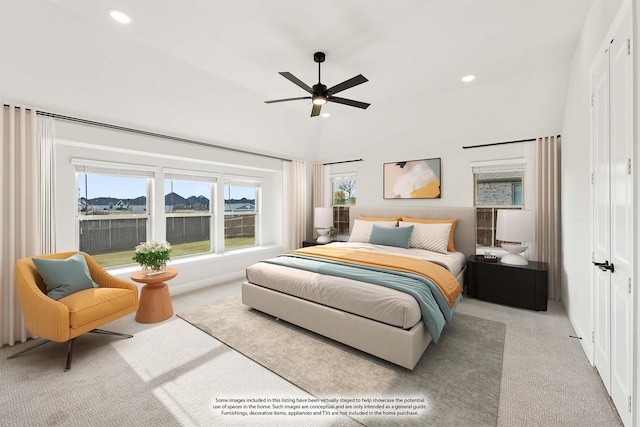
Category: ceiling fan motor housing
<point>320,89</point>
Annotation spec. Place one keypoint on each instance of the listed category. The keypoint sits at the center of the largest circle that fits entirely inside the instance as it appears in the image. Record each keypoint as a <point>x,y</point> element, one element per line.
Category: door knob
<point>604,266</point>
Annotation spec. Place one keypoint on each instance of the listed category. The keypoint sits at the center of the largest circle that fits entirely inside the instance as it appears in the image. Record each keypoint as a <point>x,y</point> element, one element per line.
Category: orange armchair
<point>73,315</point>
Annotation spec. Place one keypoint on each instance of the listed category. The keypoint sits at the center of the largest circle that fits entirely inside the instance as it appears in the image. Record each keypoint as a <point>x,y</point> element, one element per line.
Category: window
<point>497,185</point>
<point>188,212</point>
<point>343,195</point>
<point>112,212</point>
<point>241,202</point>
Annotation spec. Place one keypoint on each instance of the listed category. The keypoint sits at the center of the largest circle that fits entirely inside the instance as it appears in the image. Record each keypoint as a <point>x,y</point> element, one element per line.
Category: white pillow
<point>362,229</point>
<point>433,237</point>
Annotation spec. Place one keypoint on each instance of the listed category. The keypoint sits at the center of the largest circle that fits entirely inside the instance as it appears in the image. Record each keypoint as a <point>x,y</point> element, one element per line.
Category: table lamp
<point>515,228</point>
<point>322,222</point>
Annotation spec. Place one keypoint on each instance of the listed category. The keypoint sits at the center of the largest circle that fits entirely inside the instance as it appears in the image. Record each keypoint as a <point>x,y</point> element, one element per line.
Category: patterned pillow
<point>453,222</point>
<point>433,237</point>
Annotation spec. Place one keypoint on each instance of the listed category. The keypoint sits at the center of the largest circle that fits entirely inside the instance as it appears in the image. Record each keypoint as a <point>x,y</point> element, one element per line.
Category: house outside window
<point>497,185</point>
<point>188,211</point>
<point>241,210</point>
<point>112,214</point>
<point>343,195</point>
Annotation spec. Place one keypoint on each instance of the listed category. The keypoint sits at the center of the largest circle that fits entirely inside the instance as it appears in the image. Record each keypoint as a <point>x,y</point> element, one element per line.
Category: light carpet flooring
<point>465,366</point>
<point>167,374</point>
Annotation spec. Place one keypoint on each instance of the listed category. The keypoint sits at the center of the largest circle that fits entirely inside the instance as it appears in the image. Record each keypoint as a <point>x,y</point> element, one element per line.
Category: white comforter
<point>363,299</point>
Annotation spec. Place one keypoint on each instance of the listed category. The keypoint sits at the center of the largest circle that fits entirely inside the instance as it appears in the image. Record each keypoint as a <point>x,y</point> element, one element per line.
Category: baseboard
<point>585,342</point>
<point>199,284</point>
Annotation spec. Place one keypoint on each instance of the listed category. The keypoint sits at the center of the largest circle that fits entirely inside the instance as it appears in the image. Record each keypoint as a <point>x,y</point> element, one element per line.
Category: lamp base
<point>514,257</point>
<point>323,235</point>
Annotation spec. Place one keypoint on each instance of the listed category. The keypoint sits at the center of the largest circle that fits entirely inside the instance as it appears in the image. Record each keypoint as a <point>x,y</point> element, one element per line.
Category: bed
<point>385,322</point>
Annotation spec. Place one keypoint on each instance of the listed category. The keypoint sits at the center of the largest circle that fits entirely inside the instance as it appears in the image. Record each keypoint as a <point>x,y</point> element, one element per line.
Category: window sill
<point>232,254</point>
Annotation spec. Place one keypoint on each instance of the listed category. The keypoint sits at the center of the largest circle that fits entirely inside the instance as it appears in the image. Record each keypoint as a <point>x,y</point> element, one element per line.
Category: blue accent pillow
<point>64,276</point>
<point>391,236</point>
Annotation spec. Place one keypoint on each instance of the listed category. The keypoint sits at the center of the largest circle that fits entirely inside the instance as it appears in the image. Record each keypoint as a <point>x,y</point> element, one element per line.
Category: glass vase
<point>150,270</point>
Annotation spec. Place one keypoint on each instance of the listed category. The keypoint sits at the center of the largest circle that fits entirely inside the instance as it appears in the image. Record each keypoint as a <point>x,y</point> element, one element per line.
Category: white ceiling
<point>407,49</point>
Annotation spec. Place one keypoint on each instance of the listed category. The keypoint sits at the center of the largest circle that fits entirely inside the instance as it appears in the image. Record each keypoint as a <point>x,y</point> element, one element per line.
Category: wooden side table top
<point>168,274</point>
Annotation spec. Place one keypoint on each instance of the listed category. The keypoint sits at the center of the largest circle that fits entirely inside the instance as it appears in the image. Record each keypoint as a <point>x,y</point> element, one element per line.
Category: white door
<point>613,218</point>
<point>621,131</point>
<point>601,218</point>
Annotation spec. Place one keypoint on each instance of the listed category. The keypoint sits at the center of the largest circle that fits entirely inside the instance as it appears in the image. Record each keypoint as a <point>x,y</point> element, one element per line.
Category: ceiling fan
<point>320,95</point>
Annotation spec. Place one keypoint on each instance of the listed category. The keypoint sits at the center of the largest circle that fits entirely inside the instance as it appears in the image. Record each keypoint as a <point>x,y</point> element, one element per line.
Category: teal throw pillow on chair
<point>64,276</point>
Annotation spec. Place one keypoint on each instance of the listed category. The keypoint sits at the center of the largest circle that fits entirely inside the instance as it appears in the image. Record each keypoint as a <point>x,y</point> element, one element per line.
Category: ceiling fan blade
<point>287,75</point>
<point>287,99</point>
<point>315,111</point>
<point>349,102</point>
<point>354,81</point>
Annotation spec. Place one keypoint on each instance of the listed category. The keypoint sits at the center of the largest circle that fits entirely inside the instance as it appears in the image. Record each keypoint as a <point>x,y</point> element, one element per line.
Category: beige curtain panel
<point>319,190</point>
<point>319,177</point>
<point>19,231</point>
<point>296,205</point>
<point>28,226</point>
<point>548,210</point>
<point>45,138</point>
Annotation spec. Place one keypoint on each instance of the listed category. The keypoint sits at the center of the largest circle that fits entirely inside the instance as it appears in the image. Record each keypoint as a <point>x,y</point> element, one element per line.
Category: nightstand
<point>523,286</point>
<point>307,243</point>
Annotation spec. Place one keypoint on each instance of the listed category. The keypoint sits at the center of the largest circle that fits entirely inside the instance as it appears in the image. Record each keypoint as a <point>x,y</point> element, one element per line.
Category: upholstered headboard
<point>464,237</point>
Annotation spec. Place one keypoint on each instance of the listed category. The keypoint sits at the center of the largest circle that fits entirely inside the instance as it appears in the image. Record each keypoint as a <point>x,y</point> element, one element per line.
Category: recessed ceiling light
<point>120,16</point>
<point>326,115</point>
<point>468,78</point>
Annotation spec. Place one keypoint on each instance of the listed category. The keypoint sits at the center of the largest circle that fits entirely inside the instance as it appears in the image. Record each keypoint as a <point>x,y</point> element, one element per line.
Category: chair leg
<point>36,345</point>
<point>72,343</point>
<point>102,331</point>
<point>42,342</point>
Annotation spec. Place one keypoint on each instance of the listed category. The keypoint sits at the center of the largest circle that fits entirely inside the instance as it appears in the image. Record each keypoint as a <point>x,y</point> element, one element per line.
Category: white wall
<point>575,175</point>
<point>89,142</point>
<point>53,61</point>
<point>514,108</point>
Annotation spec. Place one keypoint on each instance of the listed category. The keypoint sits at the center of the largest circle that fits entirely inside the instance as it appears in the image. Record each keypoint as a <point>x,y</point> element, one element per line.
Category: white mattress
<point>363,299</point>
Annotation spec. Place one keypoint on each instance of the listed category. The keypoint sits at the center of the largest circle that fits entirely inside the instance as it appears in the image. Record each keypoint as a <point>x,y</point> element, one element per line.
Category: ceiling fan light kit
<point>319,100</point>
<point>320,95</point>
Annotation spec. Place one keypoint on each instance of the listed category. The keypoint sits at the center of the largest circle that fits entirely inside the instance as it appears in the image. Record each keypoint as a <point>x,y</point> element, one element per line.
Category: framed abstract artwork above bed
<point>412,179</point>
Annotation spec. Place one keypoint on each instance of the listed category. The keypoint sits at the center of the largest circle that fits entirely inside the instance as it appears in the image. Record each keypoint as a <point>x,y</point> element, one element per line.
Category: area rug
<point>455,383</point>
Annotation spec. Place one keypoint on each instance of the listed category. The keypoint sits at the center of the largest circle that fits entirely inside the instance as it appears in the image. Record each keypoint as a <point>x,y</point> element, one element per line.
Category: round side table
<point>155,302</point>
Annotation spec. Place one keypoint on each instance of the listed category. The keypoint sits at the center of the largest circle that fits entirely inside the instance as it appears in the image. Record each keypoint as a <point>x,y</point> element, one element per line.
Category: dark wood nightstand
<point>307,243</point>
<point>523,286</point>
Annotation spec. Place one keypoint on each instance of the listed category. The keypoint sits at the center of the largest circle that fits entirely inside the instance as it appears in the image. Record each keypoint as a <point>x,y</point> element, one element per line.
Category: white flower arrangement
<point>153,255</point>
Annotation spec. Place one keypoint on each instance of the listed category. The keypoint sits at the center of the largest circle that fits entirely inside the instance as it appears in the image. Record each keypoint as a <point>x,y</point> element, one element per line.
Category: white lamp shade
<point>514,225</point>
<point>323,218</point>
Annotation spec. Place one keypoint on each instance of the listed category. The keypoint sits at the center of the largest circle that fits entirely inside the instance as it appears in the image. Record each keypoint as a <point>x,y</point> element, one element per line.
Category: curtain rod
<point>502,143</point>
<point>147,133</point>
<point>343,161</point>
